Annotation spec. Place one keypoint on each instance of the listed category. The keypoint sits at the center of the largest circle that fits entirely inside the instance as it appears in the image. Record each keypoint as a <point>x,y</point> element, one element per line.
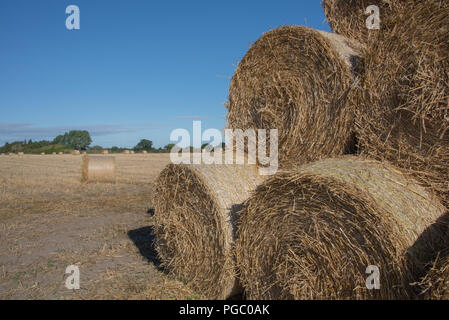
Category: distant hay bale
<point>297,80</point>
<point>125,151</point>
<point>42,153</point>
<point>144,152</point>
<point>98,169</point>
<point>131,152</point>
<point>348,18</point>
<point>60,153</point>
<point>53,153</point>
<point>10,154</point>
<point>20,153</point>
<point>75,152</point>
<point>194,223</point>
<point>311,233</point>
<point>84,152</point>
<point>403,105</point>
<point>105,152</point>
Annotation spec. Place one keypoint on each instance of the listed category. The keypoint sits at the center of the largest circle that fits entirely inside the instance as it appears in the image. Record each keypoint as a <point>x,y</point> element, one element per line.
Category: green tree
<point>144,144</point>
<point>76,139</point>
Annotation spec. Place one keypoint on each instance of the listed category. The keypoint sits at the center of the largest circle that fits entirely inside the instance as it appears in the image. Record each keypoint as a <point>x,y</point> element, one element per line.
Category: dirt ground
<point>49,220</point>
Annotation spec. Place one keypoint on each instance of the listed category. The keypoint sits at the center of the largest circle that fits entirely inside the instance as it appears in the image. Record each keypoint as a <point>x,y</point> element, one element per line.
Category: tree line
<point>74,140</point>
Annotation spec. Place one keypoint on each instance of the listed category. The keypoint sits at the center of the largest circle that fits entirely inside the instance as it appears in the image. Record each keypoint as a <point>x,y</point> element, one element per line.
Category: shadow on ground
<point>143,239</point>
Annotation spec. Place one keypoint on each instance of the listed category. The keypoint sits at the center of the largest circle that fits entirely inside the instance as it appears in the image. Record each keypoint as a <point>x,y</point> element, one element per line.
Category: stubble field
<point>50,220</point>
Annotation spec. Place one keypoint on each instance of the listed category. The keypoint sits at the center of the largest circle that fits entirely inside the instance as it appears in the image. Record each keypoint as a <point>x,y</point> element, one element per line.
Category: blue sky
<point>136,69</point>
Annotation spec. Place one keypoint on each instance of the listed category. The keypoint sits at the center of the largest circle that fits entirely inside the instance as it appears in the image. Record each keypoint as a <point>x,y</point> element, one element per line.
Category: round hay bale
<point>105,152</point>
<point>75,152</point>
<point>42,153</point>
<point>10,154</point>
<point>53,153</point>
<point>144,152</point>
<point>131,152</point>
<point>297,80</point>
<point>194,223</point>
<point>84,152</point>
<point>311,232</point>
<point>403,105</point>
<point>348,18</point>
<point>60,153</point>
<point>98,169</point>
<point>20,153</point>
<point>125,151</point>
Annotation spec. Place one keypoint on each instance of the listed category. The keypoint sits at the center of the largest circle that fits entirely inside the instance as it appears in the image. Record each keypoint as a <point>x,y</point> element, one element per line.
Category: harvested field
<point>49,220</point>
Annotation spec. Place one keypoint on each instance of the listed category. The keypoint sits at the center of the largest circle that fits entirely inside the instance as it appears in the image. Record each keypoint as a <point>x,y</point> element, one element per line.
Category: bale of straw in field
<point>131,152</point>
<point>84,152</point>
<point>125,151</point>
<point>20,153</point>
<point>53,153</point>
<point>297,80</point>
<point>312,232</point>
<point>98,169</point>
<point>42,153</point>
<point>194,223</point>
<point>144,152</point>
<point>105,151</point>
<point>75,152</point>
<point>403,101</point>
<point>10,154</point>
<point>349,17</point>
<point>60,153</point>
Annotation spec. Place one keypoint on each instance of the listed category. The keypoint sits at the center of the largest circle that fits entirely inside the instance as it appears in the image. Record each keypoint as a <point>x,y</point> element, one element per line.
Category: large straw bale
<point>297,80</point>
<point>312,232</point>
<point>402,107</point>
<point>194,223</point>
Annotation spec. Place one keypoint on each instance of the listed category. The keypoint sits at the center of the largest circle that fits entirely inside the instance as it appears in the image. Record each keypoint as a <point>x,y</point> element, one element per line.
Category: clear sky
<point>136,68</point>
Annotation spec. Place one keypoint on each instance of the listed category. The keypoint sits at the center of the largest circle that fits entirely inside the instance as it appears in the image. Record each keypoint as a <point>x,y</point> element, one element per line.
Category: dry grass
<point>194,223</point>
<point>49,220</point>
<point>310,233</point>
<point>297,80</point>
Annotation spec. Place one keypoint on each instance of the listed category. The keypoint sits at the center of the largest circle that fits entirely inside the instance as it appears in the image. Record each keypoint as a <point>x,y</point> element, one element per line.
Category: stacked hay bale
<point>194,223</point>
<point>403,104</point>
<point>297,80</point>
<point>311,232</point>
<point>98,169</point>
